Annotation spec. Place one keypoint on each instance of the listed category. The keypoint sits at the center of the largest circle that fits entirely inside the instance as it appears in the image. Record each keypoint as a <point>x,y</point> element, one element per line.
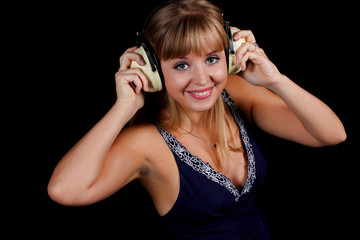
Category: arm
<point>278,105</point>
<point>86,173</point>
<point>307,119</point>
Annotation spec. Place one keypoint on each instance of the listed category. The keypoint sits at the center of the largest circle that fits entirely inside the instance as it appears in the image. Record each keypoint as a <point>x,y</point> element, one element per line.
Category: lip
<point>201,93</point>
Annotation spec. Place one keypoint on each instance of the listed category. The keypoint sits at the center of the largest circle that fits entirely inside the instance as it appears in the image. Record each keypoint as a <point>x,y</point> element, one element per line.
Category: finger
<point>129,75</point>
<point>143,78</point>
<point>245,47</point>
<point>254,57</point>
<point>137,83</point>
<point>245,58</point>
<point>247,34</point>
<point>125,63</point>
<point>236,37</point>
<point>128,57</point>
<point>129,79</point>
<point>129,50</point>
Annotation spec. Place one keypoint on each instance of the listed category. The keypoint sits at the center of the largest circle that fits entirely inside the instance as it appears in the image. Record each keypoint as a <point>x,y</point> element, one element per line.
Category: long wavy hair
<point>175,30</point>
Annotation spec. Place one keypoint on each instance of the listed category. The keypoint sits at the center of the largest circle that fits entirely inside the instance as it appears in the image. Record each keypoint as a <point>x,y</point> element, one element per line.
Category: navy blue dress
<point>209,206</point>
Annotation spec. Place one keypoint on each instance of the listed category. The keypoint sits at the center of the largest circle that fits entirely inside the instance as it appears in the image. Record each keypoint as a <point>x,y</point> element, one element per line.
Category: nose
<point>200,75</point>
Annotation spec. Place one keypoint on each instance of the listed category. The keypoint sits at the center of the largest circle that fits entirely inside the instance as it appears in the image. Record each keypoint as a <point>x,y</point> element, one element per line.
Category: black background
<point>73,51</point>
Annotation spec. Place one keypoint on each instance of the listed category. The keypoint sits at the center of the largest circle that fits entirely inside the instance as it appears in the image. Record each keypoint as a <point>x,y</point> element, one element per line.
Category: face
<point>195,82</point>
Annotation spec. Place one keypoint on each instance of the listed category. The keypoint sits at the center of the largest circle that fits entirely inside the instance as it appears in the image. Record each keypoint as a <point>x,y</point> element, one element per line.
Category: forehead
<point>199,48</point>
<point>205,53</point>
<point>201,41</point>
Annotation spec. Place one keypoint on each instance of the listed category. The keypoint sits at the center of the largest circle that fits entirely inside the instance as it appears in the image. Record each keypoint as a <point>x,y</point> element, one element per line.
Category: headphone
<point>152,67</point>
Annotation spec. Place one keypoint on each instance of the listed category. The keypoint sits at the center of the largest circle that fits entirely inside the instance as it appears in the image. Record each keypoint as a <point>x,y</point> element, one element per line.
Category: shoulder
<point>140,135</point>
<point>241,92</point>
<point>244,94</point>
<point>143,140</point>
<point>143,129</point>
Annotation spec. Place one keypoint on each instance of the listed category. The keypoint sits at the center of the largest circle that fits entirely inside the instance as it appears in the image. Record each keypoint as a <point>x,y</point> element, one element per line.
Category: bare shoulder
<point>146,143</point>
<point>140,130</point>
<point>241,92</point>
<point>244,94</point>
<point>140,137</point>
<point>142,141</point>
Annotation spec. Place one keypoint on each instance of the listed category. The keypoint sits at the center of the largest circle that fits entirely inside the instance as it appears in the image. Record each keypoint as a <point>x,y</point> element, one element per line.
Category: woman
<point>194,154</point>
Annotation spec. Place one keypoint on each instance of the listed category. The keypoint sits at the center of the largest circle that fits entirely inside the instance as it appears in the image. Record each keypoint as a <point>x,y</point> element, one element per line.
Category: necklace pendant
<point>213,145</point>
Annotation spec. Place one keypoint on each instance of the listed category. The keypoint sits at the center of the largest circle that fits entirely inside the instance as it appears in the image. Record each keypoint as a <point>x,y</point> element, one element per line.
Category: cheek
<point>173,82</point>
<point>220,74</point>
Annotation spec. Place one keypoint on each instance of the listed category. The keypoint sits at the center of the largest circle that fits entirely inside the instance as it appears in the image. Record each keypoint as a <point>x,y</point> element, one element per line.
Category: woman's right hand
<point>130,81</point>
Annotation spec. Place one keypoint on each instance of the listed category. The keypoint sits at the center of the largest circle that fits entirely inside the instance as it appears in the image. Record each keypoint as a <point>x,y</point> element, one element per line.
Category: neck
<point>196,120</point>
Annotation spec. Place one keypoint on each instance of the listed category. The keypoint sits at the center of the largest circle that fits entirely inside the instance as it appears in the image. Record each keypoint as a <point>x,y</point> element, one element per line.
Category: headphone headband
<point>151,14</point>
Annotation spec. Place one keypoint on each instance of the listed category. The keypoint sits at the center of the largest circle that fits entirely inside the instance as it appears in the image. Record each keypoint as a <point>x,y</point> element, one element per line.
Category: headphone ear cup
<point>233,66</point>
<point>149,69</point>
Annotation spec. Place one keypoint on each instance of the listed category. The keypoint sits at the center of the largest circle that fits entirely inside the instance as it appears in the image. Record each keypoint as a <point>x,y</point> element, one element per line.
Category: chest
<point>232,164</point>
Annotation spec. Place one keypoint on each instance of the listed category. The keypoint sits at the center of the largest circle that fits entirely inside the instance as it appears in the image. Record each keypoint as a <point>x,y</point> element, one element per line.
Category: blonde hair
<point>175,30</point>
<point>186,26</point>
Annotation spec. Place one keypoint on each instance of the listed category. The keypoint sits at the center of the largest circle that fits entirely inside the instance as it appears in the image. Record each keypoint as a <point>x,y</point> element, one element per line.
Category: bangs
<point>192,33</point>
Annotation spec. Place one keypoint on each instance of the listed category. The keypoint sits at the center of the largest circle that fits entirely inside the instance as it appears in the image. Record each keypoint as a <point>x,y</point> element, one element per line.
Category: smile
<point>201,93</point>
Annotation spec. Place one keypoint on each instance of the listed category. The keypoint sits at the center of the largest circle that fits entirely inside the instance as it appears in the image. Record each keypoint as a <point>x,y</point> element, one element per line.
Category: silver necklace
<point>212,144</point>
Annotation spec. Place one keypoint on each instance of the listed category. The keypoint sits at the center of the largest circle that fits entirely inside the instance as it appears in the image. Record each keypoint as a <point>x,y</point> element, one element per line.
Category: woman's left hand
<point>256,67</point>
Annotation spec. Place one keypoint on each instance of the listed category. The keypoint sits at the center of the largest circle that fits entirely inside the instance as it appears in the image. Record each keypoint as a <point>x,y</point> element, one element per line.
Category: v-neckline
<point>198,164</point>
<point>207,163</point>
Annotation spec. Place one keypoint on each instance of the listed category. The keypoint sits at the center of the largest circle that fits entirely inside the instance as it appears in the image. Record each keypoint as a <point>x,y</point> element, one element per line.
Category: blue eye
<point>212,59</point>
<point>181,66</point>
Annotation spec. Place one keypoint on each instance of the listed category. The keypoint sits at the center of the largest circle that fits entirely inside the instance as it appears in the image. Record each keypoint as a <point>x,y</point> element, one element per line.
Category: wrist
<point>125,110</point>
<point>278,83</point>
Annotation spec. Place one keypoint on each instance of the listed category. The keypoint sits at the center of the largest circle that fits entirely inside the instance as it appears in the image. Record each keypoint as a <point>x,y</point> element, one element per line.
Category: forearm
<point>316,117</point>
<point>79,168</point>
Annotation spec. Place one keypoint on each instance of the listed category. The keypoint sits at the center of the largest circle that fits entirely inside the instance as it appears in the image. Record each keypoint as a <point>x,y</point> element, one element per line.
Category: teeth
<point>201,93</point>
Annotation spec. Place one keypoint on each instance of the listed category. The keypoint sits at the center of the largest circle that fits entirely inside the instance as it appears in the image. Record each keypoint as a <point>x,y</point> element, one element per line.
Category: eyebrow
<point>208,54</point>
<point>211,53</point>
